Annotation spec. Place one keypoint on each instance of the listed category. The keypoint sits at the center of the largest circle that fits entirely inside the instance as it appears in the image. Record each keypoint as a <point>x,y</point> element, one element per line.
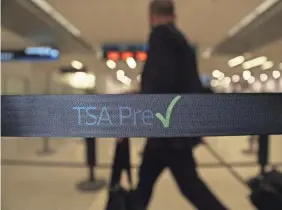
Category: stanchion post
<point>263,152</point>
<point>46,146</point>
<point>92,183</point>
<point>91,157</point>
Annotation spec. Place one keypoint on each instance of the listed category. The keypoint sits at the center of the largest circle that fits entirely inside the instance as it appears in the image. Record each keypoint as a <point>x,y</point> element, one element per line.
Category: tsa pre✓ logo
<point>124,115</point>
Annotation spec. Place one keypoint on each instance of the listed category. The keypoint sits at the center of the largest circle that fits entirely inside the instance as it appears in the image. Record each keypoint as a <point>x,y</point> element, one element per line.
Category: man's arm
<point>160,69</point>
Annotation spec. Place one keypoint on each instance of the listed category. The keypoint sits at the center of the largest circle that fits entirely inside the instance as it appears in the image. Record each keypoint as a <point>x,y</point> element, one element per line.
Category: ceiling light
<point>131,63</point>
<point>267,65</point>
<point>120,74</point>
<point>216,73</point>
<point>221,76</point>
<point>276,74</point>
<point>226,81</point>
<point>251,80</point>
<point>122,78</point>
<point>252,16</point>
<point>125,80</point>
<point>247,65</point>
<point>246,75</point>
<point>236,61</point>
<point>77,65</point>
<point>82,80</point>
<point>254,62</point>
<point>263,77</point>
<point>111,64</point>
<point>235,78</point>
<point>214,82</point>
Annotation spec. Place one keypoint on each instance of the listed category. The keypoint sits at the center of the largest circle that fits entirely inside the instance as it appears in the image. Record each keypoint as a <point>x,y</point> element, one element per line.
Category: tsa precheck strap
<point>141,115</point>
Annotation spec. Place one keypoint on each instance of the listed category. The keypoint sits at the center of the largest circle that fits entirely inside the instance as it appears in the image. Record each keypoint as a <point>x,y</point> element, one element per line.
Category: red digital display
<point>125,55</point>
<point>121,52</point>
<point>115,56</point>
<point>141,56</point>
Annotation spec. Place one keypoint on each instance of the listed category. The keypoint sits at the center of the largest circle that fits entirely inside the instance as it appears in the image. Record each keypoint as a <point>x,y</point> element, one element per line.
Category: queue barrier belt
<point>130,115</point>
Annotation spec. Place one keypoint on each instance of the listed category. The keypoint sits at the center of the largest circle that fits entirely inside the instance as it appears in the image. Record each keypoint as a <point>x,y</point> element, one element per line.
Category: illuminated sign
<point>117,52</point>
<point>115,56</point>
<point>125,55</point>
<point>141,56</point>
<point>31,54</point>
<point>6,56</point>
<point>42,51</point>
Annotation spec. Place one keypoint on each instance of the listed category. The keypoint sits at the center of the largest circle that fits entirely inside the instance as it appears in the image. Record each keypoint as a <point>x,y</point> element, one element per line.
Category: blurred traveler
<point>252,145</point>
<point>170,69</point>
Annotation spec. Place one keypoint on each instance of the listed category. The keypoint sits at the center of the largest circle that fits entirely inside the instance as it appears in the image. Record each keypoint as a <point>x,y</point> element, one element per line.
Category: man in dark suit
<point>170,69</point>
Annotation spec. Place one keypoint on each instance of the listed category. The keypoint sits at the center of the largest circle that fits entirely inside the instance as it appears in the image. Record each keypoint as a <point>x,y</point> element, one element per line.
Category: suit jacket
<point>170,68</point>
<point>171,65</point>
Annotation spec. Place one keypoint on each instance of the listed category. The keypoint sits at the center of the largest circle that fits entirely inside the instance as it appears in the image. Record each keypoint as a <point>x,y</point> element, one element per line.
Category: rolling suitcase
<point>120,198</point>
<point>266,189</point>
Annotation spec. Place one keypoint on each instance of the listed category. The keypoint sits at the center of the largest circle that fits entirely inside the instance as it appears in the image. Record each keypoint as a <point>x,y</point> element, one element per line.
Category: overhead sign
<point>31,54</point>
<point>117,52</point>
<point>122,52</point>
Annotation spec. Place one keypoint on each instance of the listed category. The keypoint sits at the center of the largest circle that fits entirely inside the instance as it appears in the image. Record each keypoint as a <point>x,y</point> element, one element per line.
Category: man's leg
<point>183,168</point>
<point>151,167</point>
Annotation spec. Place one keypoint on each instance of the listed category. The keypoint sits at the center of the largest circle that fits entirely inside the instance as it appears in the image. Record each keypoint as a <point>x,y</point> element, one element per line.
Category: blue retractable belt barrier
<point>141,115</point>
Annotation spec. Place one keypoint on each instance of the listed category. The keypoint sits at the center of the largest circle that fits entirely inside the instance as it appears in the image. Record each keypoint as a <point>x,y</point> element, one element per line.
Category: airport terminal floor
<point>32,180</point>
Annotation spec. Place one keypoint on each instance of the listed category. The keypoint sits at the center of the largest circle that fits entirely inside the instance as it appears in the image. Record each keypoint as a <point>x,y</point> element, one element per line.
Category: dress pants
<point>183,168</point>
